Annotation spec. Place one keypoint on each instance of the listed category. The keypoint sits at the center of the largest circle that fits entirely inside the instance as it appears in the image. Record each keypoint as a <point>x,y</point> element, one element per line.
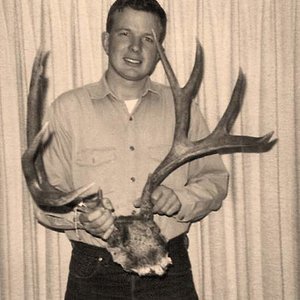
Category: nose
<point>135,44</point>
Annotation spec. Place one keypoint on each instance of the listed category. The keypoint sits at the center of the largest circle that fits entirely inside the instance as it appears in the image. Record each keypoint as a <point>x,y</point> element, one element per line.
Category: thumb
<point>107,204</point>
<point>137,203</point>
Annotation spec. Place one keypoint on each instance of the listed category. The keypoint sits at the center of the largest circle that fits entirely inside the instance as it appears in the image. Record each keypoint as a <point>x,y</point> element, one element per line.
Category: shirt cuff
<point>193,206</point>
<point>56,221</point>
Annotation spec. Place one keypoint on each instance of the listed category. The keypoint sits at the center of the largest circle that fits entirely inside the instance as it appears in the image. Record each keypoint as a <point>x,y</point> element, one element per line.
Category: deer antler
<point>44,194</point>
<point>183,150</point>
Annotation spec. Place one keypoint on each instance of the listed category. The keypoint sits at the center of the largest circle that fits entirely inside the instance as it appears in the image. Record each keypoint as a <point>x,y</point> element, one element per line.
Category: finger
<point>92,201</point>
<point>104,222</point>
<point>173,209</point>
<point>137,203</point>
<point>168,205</point>
<point>100,230</point>
<point>107,204</point>
<point>156,195</point>
<point>91,215</point>
<point>108,232</point>
<point>102,218</point>
<point>158,199</point>
<point>158,207</point>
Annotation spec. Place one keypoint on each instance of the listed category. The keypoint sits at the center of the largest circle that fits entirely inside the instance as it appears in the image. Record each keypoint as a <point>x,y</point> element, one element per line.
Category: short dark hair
<point>151,6</point>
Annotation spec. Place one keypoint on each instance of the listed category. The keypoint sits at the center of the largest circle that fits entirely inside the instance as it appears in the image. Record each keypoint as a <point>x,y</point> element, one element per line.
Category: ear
<point>105,41</point>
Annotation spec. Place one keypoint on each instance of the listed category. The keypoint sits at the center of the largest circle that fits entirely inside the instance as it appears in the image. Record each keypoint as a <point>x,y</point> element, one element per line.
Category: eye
<point>149,39</point>
<point>123,33</point>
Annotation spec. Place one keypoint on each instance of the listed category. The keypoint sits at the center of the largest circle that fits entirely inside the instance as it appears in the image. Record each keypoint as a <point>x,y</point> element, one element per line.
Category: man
<point>114,133</point>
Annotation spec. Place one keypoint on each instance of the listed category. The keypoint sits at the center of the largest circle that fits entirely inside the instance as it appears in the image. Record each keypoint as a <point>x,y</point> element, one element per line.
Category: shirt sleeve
<point>55,221</point>
<point>58,156</point>
<point>207,182</point>
<point>57,161</point>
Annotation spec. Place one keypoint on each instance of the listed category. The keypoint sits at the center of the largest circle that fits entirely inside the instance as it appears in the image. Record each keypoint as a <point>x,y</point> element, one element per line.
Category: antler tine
<point>37,90</point>
<point>44,194</point>
<point>167,66</point>
<point>192,86</point>
<point>234,106</point>
<point>182,96</point>
<point>220,139</point>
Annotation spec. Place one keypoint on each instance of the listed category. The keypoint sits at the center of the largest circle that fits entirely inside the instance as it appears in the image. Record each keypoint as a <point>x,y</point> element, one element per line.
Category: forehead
<point>136,20</point>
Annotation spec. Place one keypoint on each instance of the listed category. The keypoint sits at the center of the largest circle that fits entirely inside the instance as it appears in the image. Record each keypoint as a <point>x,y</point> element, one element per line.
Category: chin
<point>133,76</point>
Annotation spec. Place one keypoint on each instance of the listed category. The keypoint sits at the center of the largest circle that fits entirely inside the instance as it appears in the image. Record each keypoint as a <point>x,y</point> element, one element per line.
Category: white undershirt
<point>131,104</point>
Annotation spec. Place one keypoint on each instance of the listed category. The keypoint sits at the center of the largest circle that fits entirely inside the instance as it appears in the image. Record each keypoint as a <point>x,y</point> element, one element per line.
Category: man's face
<point>130,46</point>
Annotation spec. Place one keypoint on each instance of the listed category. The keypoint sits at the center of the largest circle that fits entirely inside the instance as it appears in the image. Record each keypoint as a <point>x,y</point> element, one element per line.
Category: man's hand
<point>98,221</point>
<point>165,201</point>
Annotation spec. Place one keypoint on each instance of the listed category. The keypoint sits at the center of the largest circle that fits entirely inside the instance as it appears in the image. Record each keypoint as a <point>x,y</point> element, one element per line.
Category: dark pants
<point>93,275</point>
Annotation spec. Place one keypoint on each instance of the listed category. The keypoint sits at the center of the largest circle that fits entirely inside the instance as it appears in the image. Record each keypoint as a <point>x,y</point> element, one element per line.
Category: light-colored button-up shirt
<point>97,140</point>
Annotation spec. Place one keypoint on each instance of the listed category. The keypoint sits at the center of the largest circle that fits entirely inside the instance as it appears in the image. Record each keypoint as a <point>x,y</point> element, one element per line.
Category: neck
<point>125,89</point>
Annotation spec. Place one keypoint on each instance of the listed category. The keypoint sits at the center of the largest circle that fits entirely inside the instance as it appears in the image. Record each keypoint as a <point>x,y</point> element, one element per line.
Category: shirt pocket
<point>95,165</point>
<point>178,177</point>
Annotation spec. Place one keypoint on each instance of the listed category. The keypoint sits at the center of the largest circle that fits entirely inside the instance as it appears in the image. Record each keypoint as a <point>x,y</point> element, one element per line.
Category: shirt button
<point>132,179</point>
<point>130,118</point>
<point>132,148</point>
<point>100,259</point>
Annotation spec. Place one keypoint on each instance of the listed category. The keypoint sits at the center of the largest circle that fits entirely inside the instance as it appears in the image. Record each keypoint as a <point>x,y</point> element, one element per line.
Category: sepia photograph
<point>150,150</point>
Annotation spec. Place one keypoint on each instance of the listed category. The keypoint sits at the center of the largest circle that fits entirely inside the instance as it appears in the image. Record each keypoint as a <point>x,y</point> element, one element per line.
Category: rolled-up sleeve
<point>55,221</point>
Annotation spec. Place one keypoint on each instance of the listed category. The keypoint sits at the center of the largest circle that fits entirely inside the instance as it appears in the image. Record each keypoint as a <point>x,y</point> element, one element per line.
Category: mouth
<point>132,61</point>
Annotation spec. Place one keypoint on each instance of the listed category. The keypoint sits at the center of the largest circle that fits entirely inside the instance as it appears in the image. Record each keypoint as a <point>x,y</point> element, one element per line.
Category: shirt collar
<point>101,89</point>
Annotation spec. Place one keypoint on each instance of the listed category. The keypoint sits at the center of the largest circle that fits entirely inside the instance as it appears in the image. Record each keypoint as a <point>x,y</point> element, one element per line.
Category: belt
<point>174,247</point>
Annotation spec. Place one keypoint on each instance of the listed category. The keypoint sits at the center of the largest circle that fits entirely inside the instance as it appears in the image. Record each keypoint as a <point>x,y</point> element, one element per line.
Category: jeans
<point>94,276</point>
